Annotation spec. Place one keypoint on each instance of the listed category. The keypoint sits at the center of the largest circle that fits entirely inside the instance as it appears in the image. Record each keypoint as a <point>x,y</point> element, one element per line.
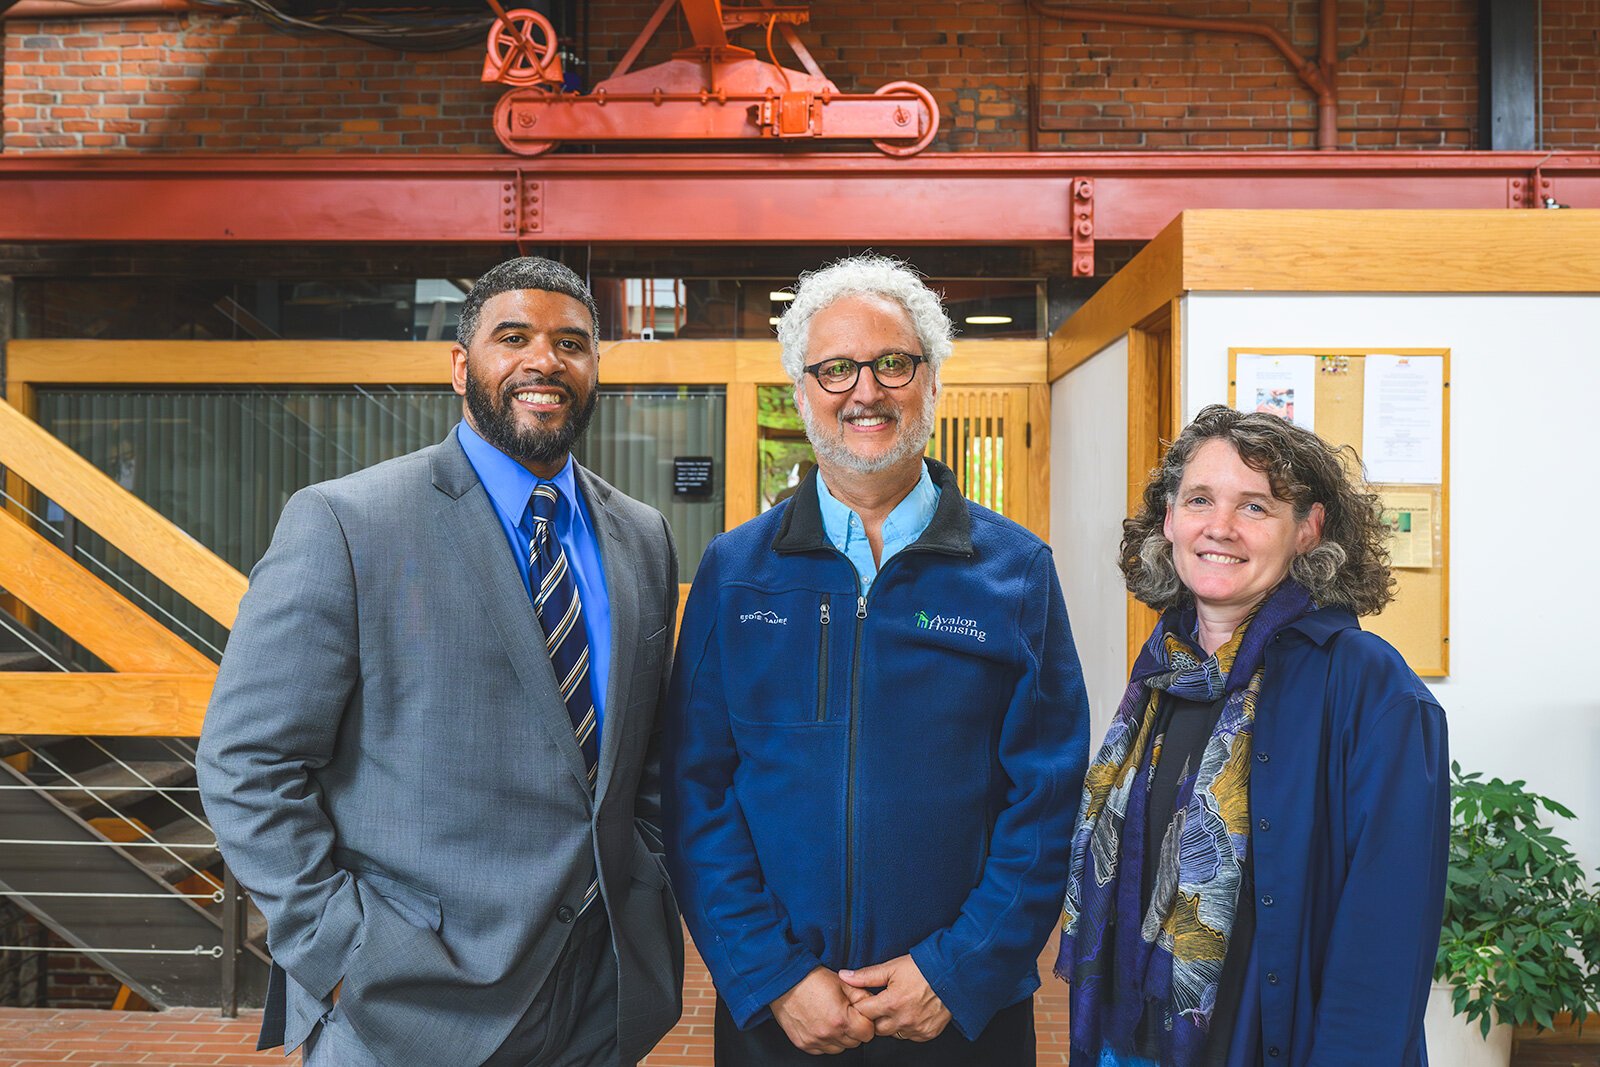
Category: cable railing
<point>102,838</point>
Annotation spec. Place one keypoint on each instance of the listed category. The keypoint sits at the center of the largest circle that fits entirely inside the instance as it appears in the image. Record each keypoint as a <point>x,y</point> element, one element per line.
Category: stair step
<point>170,868</point>
<point>117,786</point>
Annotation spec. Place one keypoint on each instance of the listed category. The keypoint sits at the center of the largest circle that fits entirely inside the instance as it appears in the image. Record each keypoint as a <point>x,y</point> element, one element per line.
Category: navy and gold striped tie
<point>560,612</point>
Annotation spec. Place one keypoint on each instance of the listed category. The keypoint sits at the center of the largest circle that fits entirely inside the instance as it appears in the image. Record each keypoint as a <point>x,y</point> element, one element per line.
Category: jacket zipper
<point>822,664</point>
<point>850,760</point>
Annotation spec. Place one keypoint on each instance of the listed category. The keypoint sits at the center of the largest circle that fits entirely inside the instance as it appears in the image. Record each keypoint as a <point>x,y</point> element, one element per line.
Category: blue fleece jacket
<point>851,778</point>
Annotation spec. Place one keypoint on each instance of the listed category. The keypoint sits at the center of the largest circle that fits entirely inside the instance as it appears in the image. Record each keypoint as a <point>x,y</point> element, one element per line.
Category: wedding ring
<point>899,1035</point>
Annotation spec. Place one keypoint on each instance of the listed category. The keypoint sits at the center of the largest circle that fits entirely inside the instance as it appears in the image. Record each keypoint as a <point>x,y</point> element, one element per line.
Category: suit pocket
<point>649,940</point>
<point>647,866</point>
<point>416,906</point>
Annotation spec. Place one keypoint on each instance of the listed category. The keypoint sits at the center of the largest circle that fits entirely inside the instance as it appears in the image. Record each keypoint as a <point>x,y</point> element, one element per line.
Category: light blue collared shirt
<point>903,526</point>
<point>510,485</point>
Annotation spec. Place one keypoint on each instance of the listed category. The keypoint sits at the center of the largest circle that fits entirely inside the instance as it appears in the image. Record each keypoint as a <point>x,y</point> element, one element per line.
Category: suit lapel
<point>475,533</point>
<point>617,557</point>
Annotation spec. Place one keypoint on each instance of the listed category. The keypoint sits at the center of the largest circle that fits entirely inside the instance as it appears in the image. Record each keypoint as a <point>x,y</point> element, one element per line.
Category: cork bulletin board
<point>1417,509</point>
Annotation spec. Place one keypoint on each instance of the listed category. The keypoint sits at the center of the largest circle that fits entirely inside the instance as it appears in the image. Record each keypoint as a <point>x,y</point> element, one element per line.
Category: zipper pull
<point>861,607</point>
<point>824,613</point>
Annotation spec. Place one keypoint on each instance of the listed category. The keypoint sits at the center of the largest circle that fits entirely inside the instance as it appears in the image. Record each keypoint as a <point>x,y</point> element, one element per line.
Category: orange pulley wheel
<point>521,49</point>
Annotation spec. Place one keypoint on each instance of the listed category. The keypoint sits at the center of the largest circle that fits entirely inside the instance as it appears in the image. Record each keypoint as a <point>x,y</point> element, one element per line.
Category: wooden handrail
<point>86,609</point>
<point>103,705</point>
<point>144,534</point>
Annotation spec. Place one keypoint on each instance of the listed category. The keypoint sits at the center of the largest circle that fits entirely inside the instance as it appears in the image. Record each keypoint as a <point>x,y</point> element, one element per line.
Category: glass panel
<point>222,463</point>
<point>785,455</point>
<point>654,307</point>
<point>636,434</point>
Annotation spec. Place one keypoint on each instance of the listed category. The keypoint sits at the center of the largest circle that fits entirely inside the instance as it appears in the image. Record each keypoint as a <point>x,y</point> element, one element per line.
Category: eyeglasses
<point>892,370</point>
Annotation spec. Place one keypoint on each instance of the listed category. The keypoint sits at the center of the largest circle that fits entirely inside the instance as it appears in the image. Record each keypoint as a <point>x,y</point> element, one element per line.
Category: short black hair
<point>524,272</point>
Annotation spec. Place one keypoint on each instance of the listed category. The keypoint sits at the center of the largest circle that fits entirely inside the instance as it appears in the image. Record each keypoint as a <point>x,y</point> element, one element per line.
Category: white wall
<point>1088,498</point>
<point>1522,699</point>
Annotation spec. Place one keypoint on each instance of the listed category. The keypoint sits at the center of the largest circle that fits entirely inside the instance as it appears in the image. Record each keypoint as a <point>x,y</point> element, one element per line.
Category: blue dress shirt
<point>904,525</point>
<point>510,485</point>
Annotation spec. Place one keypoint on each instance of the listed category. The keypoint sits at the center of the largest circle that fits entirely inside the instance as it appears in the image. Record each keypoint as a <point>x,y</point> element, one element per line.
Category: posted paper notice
<point>1285,386</point>
<point>1402,438</point>
<point>1409,517</point>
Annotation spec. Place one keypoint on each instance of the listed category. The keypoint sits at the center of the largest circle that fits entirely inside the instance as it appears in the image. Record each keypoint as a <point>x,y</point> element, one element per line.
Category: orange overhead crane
<point>712,91</point>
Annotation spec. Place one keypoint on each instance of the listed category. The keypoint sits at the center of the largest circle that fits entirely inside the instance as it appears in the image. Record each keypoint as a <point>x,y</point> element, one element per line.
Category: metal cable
<point>21,633</point>
<point>94,793</point>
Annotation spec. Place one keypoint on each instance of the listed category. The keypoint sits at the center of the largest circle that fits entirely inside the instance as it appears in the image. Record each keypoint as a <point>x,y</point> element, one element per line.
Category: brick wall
<point>1571,74</point>
<point>205,82</point>
<point>76,981</point>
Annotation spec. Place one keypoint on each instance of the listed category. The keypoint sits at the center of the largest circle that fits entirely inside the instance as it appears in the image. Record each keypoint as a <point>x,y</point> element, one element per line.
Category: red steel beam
<point>949,198</point>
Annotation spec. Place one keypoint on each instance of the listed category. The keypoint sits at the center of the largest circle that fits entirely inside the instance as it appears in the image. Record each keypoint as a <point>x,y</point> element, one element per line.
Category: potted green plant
<point>1521,936</point>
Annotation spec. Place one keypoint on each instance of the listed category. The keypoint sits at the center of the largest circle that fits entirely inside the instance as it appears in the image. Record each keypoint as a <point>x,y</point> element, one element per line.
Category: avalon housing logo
<point>771,618</point>
<point>951,624</point>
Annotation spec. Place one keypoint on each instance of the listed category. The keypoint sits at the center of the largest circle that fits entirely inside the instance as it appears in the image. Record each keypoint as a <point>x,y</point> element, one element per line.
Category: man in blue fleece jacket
<point>877,727</point>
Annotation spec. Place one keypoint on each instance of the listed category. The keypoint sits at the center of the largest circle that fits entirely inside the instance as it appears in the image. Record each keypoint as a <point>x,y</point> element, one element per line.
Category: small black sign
<point>691,475</point>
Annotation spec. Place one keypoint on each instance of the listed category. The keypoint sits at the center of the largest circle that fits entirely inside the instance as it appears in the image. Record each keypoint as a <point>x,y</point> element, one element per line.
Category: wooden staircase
<point>104,838</point>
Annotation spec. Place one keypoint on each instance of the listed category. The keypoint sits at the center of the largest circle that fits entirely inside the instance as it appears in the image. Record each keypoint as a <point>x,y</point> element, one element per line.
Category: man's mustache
<point>869,411</point>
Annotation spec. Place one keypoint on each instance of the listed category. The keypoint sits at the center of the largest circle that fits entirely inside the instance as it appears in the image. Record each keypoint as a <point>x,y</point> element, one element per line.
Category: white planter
<point>1454,1042</point>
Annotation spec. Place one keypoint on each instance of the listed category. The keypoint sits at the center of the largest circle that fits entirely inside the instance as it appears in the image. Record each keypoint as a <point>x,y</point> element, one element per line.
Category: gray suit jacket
<point>391,770</point>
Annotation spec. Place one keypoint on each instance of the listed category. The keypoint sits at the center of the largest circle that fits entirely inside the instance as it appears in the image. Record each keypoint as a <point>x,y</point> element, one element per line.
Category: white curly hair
<point>865,275</point>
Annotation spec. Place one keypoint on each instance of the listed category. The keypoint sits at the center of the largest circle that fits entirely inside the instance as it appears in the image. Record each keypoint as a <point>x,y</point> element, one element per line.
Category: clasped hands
<point>826,1012</point>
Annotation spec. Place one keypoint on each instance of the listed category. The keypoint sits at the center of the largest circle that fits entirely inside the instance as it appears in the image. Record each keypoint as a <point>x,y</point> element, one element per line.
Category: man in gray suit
<point>432,751</point>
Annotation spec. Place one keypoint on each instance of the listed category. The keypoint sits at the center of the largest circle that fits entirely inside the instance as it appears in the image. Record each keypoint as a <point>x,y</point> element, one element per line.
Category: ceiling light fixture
<point>778,296</point>
<point>988,320</point>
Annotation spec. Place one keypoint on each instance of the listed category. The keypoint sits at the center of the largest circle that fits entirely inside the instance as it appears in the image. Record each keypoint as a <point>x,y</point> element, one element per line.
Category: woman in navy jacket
<point>1259,861</point>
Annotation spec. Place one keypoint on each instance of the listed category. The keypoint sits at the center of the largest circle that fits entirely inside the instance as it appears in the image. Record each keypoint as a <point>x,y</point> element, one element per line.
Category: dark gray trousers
<point>571,1022</point>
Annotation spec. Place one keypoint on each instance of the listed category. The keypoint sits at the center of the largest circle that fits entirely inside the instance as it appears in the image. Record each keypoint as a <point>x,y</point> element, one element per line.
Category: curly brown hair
<point>1349,567</point>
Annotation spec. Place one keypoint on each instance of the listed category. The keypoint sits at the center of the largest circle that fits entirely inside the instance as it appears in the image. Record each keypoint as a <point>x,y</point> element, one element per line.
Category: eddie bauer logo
<point>949,624</point>
<point>771,618</point>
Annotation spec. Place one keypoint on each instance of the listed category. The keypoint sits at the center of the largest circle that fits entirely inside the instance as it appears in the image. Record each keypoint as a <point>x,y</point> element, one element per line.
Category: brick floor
<point>191,1037</point>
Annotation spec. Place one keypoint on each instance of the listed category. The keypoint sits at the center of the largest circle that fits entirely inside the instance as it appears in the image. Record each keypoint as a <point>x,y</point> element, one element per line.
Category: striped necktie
<point>560,612</point>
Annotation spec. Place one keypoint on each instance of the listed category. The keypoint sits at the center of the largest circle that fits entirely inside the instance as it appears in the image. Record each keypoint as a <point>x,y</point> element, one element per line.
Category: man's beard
<point>498,425</point>
<point>828,442</point>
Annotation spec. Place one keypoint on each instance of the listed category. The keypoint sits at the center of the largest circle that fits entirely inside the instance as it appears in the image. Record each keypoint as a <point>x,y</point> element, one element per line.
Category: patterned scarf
<point>1120,958</point>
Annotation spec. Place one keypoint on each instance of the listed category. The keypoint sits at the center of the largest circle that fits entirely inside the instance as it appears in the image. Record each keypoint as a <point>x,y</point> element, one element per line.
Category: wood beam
<point>155,543</point>
<point>104,705</point>
<point>1148,283</point>
<point>742,463</point>
<point>675,362</point>
<point>86,609</point>
<point>1391,251</point>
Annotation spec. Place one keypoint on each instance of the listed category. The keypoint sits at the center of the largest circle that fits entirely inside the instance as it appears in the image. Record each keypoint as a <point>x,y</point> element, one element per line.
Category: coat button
<point>1272,977</point>
<point>1273,1052</point>
<point>1266,900</point>
<point>1262,757</point>
<point>1265,824</point>
<point>565,914</point>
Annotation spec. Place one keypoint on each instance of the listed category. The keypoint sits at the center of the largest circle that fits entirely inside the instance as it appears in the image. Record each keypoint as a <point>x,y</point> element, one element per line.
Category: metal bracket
<point>508,207</point>
<point>1535,190</point>
<point>1083,227</point>
<point>533,205</point>
<point>521,206</point>
<point>796,114</point>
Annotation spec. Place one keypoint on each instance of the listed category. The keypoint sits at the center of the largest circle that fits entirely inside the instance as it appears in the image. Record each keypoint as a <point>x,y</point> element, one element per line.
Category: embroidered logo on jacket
<point>771,618</point>
<point>951,624</point>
